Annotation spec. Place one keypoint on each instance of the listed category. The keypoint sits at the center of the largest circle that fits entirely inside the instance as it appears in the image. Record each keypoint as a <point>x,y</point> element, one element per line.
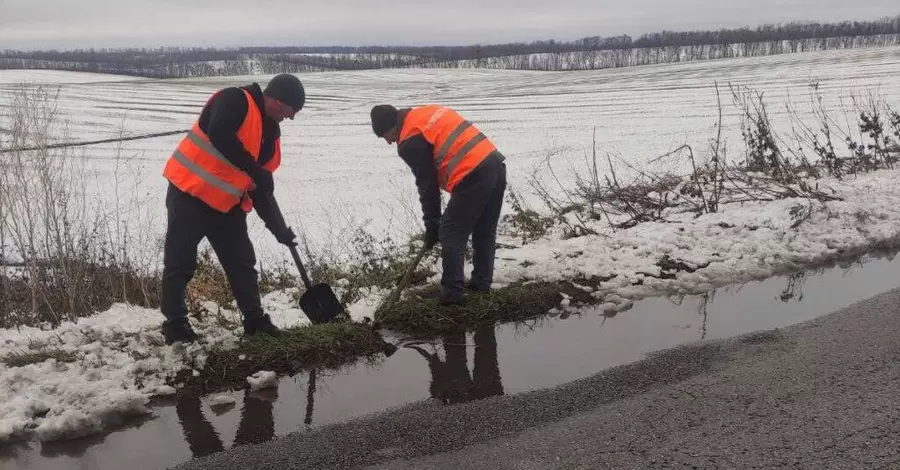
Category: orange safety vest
<point>199,169</point>
<point>458,145</point>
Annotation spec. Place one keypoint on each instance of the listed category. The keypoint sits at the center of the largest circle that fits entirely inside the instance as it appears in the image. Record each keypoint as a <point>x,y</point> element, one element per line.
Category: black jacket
<point>418,154</point>
<point>221,119</point>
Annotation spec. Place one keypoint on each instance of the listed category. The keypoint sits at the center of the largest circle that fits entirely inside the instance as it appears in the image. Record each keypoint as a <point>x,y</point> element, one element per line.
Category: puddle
<point>509,359</point>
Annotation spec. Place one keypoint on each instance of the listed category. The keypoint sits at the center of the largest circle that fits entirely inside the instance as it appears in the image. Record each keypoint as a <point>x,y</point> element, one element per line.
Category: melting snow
<point>221,400</point>
<point>742,242</point>
<point>122,360</point>
<point>262,379</point>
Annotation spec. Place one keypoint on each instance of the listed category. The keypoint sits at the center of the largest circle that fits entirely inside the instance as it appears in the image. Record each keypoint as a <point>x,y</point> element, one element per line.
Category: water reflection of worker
<point>199,433</point>
<point>450,379</point>
<point>256,424</point>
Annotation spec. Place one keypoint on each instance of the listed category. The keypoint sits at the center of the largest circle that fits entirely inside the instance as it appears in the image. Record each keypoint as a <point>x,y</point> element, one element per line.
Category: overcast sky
<point>65,24</point>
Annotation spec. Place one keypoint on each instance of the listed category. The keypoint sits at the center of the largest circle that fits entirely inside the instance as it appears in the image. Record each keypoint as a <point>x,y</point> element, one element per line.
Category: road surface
<point>822,394</point>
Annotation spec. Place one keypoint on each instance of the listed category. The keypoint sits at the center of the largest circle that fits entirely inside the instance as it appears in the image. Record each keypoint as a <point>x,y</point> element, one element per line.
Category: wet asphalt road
<point>822,394</point>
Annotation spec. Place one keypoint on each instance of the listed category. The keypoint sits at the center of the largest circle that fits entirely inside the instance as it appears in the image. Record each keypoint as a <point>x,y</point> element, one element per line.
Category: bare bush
<point>871,139</point>
<point>819,136</point>
<point>58,261</point>
<point>767,172</point>
<point>895,128</point>
<point>763,154</point>
<point>524,222</point>
<point>874,151</point>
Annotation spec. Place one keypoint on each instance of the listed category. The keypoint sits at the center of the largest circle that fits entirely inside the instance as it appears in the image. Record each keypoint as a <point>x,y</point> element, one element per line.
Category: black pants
<point>451,382</point>
<point>474,209</point>
<point>200,434</point>
<point>189,221</point>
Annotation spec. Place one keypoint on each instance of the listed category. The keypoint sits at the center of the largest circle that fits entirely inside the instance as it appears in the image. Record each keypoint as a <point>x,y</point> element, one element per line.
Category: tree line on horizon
<point>585,53</point>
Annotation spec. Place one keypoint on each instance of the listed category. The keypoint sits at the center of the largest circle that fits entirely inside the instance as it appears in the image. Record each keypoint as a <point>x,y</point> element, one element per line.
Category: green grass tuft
<point>315,346</point>
<point>423,316</point>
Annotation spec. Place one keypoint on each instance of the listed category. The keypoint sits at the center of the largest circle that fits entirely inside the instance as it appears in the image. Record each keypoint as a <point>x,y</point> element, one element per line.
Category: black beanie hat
<point>384,117</point>
<point>287,88</point>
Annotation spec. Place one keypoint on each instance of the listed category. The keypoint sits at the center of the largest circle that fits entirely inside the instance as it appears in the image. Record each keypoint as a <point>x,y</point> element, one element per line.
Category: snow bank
<point>120,363</point>
<point>741,243</point>
<point>121,360</point>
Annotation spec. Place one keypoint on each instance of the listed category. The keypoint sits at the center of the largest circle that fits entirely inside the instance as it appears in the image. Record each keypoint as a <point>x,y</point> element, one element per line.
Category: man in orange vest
<point>220,171</point>
<point>445,151</point>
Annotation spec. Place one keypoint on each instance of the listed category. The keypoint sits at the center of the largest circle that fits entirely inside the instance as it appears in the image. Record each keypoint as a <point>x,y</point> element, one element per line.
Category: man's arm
<point>419,155</point>
<point>226,114</point>
<point>267,208</point>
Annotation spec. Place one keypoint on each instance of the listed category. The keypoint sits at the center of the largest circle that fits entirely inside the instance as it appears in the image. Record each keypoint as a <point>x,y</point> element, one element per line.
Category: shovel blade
<point>320,304</point>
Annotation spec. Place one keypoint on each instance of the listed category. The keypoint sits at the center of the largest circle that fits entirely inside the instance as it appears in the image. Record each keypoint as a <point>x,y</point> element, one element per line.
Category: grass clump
<point>373,261</point>
<point>423,316</point>
<point>315,346</point>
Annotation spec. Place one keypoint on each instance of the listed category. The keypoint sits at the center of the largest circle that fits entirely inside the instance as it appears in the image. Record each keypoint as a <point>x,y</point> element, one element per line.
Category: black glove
<point>431,237</point>
<point>262,178</point>
<point>285,236</point>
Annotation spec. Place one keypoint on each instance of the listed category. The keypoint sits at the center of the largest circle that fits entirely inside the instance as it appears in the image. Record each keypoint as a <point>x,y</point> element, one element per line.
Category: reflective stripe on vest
<point>198,168</point>
<point>208,147</point>
<point>459,145</point>
<point>207,176</point>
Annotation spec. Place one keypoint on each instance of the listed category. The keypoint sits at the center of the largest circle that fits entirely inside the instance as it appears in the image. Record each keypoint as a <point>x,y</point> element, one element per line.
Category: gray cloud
<point>115,23</point>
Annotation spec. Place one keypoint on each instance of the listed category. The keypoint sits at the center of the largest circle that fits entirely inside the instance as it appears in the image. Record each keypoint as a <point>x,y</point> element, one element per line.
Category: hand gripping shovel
<point>318,302</point>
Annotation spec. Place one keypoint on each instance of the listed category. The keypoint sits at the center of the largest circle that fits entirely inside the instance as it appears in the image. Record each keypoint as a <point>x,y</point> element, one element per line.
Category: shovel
<point>395,296</point>
<point>389,348</point>
<point>318,302</point>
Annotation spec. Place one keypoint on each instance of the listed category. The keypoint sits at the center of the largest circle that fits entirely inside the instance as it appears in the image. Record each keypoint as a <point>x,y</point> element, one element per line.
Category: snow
<point>56,77</point>
<point>262,379</point>
<point>638,113</point>
<point>336,175</point>
<point>283,309</point>
<point>740,243</point>
<point>221,401</point>
<point>121,362</point>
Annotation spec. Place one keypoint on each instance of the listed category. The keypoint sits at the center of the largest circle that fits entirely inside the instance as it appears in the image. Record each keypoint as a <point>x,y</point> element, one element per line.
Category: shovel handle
<point>300,267</point>
<point>406,277</point>
<point>276,211</point>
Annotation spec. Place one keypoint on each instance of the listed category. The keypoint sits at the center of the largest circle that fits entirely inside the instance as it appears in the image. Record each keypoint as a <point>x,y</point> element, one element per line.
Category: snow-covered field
<point>58,77</point>
<point>335,168</point>
<point>337,174</point>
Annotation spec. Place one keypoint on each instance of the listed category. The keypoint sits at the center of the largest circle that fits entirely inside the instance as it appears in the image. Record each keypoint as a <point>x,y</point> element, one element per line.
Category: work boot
<point>262,325</point>
<point>179,333</point>
<point>470,286</point>
<point>448,298</point>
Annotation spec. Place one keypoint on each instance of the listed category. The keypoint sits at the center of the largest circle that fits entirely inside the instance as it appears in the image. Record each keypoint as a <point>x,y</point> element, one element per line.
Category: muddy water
<point>464,366</point>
